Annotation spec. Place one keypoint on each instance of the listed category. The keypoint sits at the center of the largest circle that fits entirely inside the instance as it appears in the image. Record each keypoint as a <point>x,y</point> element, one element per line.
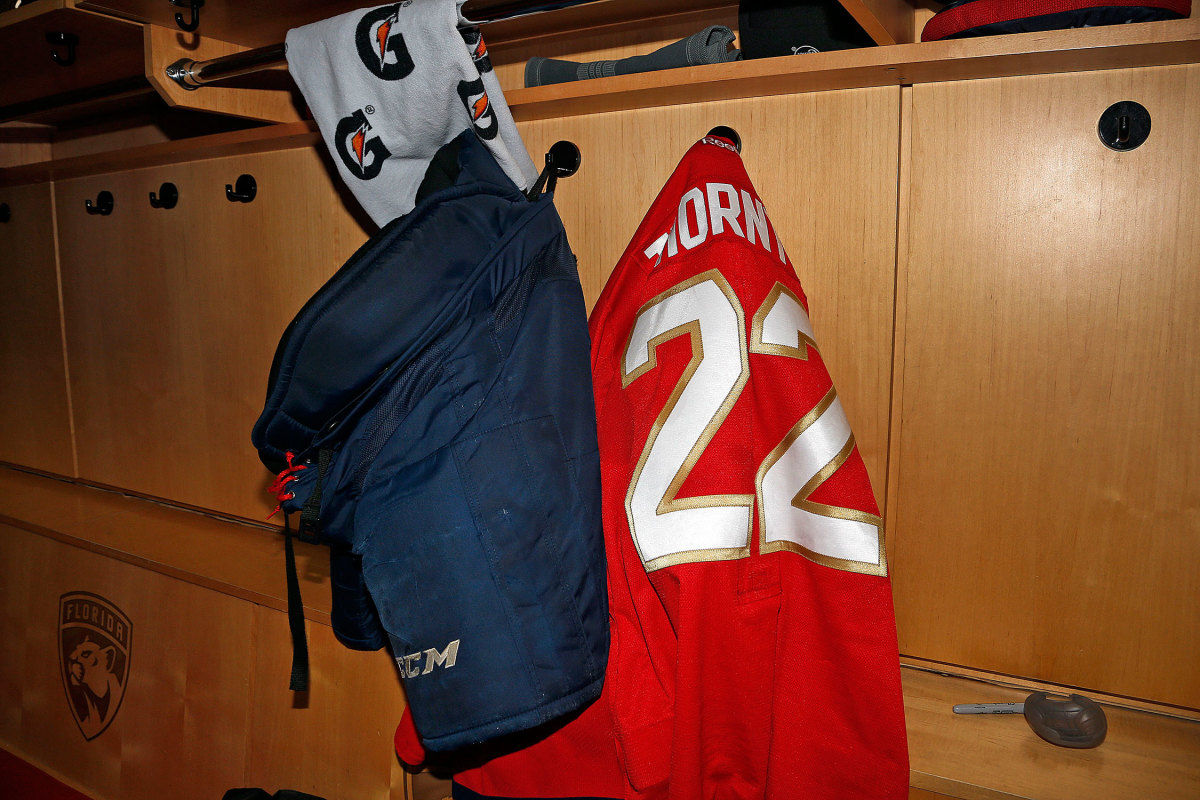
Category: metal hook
<point>244,191</point>
<point>167,197</point>
<point>726,132</point>
<point>562,161</point>
<point>67,40</point>
<point>195,6</point>
<point>104,204</point>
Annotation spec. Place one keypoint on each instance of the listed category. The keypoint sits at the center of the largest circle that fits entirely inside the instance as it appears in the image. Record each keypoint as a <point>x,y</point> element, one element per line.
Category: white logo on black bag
<point>423,662</point>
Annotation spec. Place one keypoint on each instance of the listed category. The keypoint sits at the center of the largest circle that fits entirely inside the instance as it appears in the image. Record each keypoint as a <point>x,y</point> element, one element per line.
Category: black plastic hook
<point>195,6</point>
<point>67,40</point>
<point>5,212</point>
<point>562,161</point>
<point>726,132</point>
<point>167,196</point>
<point>1124,126</point>
<point>243,191</point>
<point>103,206</point>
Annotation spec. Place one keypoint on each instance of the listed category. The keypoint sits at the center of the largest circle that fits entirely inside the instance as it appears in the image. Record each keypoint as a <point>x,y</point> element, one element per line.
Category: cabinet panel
<point>340,742</point>
<point>177,717</point>
<point>824,165</point>
<point>35,424</point>
<point>1046,496</point>
<point>204,704</point>
<point>173,316</point>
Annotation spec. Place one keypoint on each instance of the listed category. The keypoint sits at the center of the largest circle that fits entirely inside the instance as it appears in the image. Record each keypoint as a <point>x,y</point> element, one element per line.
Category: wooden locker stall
<point>824,166</point>
<point>173,316</point>
<point>204,706</point>
<point>1046,393</point>
<point>35,428</point>
<point>1006,306</point>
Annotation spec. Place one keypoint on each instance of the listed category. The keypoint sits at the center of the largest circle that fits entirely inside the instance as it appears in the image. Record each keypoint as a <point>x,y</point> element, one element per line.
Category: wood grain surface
<point>1045,494</point>
<point>824,165</point>
<point>206,706</point>
<point>35,426</point>
<point>173,317</point>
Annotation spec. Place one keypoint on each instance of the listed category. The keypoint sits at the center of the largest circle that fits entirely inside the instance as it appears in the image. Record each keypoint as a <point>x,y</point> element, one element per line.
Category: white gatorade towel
<point>388,86</point>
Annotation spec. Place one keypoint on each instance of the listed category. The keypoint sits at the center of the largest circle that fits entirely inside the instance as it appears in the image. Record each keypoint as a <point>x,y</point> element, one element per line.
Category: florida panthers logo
<point>362,154</point>
<point>94,647</point>
<point>483,116</point>
<point>381,45</point>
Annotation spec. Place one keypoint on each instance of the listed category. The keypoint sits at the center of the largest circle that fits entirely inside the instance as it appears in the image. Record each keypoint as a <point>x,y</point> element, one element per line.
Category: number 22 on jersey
<point>669,530</point>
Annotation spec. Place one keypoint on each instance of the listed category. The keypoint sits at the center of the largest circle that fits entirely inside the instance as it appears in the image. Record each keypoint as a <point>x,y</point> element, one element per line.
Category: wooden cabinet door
<point>199,702</point>
<point>35,423</point>
<point>1046,463</point>
<point>825,166</point>
<point>173,316</point>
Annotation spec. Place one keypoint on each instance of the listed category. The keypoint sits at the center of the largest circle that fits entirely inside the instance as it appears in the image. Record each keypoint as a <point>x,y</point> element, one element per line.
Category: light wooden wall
<point>1044,506</point>
<point>173,316</point>
<point>824,165</point>
<point>206,706</point>
<point>35,428</point>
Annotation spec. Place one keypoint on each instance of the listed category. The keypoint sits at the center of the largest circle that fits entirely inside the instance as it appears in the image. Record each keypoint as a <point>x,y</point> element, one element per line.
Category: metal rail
<point>192,74</point>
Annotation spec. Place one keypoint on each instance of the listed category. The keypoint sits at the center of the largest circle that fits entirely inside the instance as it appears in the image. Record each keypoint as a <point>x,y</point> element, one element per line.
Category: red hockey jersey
<point>753,646</point>
<point>753,639</point>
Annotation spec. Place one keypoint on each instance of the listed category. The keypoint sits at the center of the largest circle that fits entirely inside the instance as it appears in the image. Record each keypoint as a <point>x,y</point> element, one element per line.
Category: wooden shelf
<point>998,757</point>
<point>1075,50</point>
<point>108,60</point>
<point>242,142</point>
<point>1113,47</point>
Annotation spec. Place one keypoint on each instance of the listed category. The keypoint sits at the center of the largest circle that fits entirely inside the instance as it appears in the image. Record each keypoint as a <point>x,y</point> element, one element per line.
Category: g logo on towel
<point>483,116</point>
<point>363,156</point>
<point>479,54</point>
<point>381,46</point>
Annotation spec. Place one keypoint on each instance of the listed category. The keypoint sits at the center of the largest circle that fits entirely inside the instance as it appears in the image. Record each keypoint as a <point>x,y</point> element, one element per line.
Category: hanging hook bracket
<point>194,22</point>
<point>167,196</point>
<point>243,191</point>
<point>562,161</point>
<point>103,205</point>
<point>62,39</point>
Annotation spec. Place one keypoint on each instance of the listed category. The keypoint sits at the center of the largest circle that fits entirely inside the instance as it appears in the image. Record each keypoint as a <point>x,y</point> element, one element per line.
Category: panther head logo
<point>94,638</point>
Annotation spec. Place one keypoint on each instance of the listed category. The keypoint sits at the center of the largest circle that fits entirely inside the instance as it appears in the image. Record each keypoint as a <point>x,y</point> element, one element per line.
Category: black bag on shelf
<point>769,28</point>
<point>990,17</point>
